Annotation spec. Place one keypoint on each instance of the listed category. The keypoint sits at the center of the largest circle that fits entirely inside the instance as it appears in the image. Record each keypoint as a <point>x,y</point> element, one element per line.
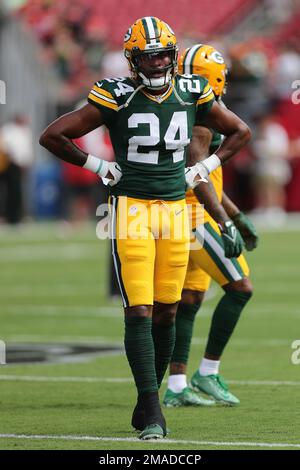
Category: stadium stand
<point>75,36</point>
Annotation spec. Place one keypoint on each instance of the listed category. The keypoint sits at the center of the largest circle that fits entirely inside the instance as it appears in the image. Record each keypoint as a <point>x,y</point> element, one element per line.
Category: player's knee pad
<point>167,292</point>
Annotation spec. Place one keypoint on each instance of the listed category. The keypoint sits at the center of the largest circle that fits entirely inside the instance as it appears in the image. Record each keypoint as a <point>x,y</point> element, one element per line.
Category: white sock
<point>177,383</point>
<point>209,367</point>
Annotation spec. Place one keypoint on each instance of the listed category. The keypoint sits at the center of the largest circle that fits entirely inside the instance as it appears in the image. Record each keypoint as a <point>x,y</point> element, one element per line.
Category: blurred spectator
<point>247,94</point>
<point>114,64</point>
<point>17,144</point>
<point>288,115</point>
<point>286,71</point>
<point>272,170</point>
<point>96,33</point>
<point>279,10</point>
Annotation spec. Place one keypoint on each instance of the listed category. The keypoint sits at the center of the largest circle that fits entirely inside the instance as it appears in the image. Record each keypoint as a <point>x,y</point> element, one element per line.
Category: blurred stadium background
<point>55,273</point>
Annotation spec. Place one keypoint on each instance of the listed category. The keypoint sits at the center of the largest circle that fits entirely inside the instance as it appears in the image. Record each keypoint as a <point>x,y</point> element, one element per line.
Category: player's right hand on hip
<point>114,174</point>
<point>232,240</point>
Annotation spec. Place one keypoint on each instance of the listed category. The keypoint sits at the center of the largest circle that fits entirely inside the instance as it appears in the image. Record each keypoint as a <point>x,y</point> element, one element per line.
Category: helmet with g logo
<point>206,61</point>
<point>150,35</point>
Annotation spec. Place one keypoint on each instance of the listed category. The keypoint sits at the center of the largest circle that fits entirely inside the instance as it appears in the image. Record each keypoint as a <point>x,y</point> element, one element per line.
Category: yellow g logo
<point>128,35</point>
<point>217,57</point>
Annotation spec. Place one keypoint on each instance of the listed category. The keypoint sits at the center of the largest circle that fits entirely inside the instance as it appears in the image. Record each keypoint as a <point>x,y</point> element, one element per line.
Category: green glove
<point>247,230</point>
<point>232,240</point>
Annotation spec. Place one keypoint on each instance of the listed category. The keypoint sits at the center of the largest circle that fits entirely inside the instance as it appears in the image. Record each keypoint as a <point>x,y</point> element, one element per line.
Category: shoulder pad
<point>194,84</point>
<point>118,88</point>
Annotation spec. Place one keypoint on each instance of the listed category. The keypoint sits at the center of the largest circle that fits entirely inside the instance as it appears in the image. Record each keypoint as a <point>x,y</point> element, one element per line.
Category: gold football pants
<point>150,246</point>
<point>207,260</point>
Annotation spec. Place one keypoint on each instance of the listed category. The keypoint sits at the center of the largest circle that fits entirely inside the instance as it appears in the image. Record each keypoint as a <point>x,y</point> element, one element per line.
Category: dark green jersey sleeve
<point>204,102</point>
<point>215,142</point>
<point>102,96</point>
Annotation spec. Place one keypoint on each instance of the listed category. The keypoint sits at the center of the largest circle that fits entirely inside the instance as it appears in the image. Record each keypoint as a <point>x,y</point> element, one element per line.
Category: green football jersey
<point>215,142</point>
<point>150,134</point>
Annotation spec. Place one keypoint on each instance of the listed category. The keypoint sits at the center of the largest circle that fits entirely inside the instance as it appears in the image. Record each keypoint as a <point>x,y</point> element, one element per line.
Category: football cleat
<point>214,386</point>
<point>206,61</point>
<point>152,431</point>
<point>151,36</point>
<point>185,398</point>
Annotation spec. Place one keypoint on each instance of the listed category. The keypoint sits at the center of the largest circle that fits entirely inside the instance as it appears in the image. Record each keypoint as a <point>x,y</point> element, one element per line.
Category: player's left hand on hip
<point>195,174</point>
<point>247,230</point>
<point>114,174</point>
<point>232,240</point>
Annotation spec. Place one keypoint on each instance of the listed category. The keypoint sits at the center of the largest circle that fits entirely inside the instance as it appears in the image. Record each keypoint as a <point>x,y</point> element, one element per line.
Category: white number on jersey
<point>151,140</point>
<point>178,126</point>
<point>122,89</point>
<point>193,86</point>
<point>113,80</point>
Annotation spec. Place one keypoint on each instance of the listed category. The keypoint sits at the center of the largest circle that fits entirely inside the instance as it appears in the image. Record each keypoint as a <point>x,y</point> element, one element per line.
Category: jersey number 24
<point>178,125</point>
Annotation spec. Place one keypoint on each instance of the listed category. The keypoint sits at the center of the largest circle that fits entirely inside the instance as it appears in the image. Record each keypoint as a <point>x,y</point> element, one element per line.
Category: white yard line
<point>49,252</point>
<point>112,313</point>
<point>37,378</point>
<point>56,309</point>
<point>274,342</point>
<point>162,441</point>
<point>59,310</point>
<point>62,339</point>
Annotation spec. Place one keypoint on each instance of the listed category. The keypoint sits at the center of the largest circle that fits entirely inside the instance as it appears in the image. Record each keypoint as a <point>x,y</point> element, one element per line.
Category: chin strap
<point>183,103</point>
<point>131,97</point>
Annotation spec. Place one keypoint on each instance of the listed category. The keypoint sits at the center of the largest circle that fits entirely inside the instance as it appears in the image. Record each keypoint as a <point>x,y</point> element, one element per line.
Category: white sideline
<point>240,342</point>
<point>59,310</point>
<point>264,308</point>
<point>37,378</point>
<point>162,441</point>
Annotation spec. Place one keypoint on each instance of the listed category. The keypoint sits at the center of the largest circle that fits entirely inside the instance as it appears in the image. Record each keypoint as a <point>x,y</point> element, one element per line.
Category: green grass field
<point>53,289</point>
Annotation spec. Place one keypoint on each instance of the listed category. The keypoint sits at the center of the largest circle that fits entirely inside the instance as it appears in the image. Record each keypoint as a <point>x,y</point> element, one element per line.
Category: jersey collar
<point>159,98</point>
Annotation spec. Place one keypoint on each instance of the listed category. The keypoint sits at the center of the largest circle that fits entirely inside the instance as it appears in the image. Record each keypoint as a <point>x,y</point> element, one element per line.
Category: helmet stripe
<point>156,32</point>
<point>152,29</point>
<point>146,29</point>
<point>189,58</point>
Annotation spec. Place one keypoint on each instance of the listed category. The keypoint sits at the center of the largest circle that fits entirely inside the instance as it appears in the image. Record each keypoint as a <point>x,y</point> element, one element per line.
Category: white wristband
<point>96,165</point>
<point>211,163</point>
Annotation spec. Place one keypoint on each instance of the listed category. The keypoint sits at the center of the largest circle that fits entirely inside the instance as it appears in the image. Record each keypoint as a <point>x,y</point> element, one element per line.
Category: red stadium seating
<point>196,18</point>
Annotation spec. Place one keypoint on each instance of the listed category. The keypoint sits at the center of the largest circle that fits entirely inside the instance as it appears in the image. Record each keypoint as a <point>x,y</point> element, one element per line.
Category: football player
<point>150,117</point>
<point>210,260</point>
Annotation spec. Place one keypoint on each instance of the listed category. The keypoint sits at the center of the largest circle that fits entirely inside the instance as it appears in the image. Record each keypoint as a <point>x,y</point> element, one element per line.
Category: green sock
<point>140,352</point>
<point>164,340</point>
<point>184,330</point>
<point>224,320</point>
